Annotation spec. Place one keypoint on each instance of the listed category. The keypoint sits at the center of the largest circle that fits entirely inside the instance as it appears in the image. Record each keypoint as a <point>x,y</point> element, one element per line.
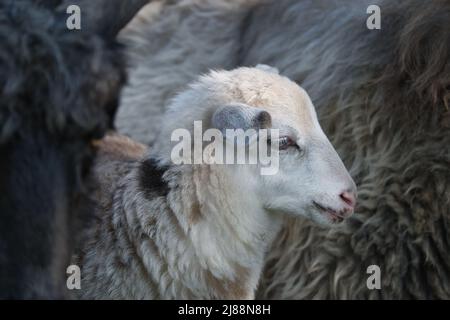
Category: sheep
<point>185,231</point>
<point>59,91</point>
<point>382,97</point>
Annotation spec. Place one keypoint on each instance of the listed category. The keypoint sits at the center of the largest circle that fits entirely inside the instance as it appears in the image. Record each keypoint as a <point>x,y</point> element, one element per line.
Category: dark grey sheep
<point>59,90</point>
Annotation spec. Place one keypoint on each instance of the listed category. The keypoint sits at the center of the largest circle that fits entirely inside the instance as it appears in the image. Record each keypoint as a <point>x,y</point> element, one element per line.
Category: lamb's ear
<point>239,116</point>
<point>267,68</point>
<point>105,17</point>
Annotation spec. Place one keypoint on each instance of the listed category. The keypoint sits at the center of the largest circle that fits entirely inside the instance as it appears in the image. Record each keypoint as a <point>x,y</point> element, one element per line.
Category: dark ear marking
<point>263,120</point>
<point>240,116</point>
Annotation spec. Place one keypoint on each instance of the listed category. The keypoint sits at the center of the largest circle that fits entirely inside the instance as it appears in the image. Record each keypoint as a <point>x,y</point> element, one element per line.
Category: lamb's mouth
<point>333,215</point>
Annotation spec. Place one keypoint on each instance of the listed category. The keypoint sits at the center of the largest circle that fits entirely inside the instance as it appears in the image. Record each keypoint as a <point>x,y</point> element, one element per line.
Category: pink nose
<point>349,198</point>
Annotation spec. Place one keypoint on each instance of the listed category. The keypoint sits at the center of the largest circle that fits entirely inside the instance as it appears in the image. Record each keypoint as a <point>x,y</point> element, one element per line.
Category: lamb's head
<point>311,179</point>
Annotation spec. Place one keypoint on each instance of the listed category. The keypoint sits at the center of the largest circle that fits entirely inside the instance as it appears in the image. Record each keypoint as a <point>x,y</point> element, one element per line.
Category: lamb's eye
<point>286,142</point>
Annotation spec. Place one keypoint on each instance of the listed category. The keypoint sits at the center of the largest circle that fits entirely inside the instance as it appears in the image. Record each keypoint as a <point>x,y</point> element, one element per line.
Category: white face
<point>312,180</point>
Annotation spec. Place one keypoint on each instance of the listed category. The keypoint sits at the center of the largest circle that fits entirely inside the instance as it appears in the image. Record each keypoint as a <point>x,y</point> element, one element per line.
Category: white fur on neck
<point>232,231</point>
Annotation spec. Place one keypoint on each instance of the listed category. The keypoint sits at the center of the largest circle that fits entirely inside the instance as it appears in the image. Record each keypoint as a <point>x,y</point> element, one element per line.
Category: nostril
<point>349,198</point>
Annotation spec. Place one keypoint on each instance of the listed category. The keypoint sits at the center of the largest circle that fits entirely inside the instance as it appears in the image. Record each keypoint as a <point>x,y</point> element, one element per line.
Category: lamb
<point>59,90</point>
<point>382,97</point>
<point>201,231</point>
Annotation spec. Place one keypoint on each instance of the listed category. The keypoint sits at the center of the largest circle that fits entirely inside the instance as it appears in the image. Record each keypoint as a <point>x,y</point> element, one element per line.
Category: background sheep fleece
<point>383,99</point>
